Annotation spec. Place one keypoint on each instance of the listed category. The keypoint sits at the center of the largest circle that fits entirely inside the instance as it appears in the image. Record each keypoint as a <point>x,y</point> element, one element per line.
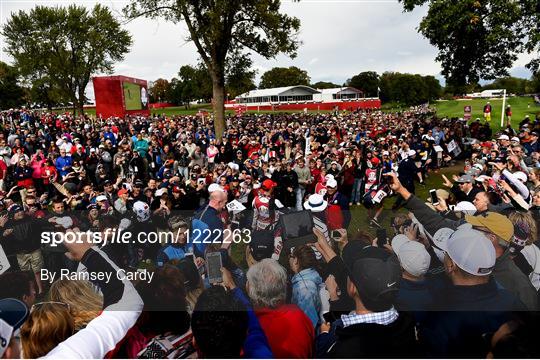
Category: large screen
<point>135,96</point>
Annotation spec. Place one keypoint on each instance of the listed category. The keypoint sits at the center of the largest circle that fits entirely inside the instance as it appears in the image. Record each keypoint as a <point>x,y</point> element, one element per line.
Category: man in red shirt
<point>289,331</point>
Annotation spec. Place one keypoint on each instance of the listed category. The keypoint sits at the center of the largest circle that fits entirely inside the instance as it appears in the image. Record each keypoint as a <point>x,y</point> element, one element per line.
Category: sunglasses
<point>39,304</point>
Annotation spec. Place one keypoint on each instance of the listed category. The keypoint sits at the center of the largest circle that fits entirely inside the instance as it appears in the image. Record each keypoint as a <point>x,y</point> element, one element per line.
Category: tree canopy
<point>281,76</point>
<point>11,94</point>
<point>324,85</point>
<point>221,27</point>
<point>479,39</point>
<point>68,45</point>
<point>367,81</point>
<point>409,89</point>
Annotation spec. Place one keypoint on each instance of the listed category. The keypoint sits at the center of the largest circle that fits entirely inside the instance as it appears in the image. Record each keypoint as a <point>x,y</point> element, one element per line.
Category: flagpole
<point>503,104</point>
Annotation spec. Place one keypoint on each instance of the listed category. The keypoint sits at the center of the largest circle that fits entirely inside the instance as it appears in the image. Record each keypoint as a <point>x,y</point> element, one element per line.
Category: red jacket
<point>289,331</point>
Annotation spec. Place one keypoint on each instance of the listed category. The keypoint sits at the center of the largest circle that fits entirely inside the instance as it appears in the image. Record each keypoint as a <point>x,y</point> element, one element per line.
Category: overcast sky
<point>340,39</point>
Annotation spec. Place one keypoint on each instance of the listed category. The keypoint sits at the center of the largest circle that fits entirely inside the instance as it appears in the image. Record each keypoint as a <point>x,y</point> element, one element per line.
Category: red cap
<point>268,184</point>
<point>374,161</point>
<point>176,189</point>
<point>122,191</point>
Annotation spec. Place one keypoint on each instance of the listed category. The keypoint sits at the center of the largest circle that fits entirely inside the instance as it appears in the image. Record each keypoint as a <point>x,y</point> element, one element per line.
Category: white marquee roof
<point>339,89</point>
<point>276,91</point>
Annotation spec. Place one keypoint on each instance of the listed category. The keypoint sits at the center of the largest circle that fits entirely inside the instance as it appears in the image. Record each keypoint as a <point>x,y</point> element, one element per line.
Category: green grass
<point>521,106</point>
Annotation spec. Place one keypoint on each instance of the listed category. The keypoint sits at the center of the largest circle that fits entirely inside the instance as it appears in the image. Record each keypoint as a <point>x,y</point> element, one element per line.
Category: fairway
<point>521,106</point>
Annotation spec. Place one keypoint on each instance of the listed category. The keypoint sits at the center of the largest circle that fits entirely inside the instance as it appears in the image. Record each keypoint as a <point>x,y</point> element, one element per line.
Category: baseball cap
<point>498,224</point>
<point>331,183</point>
<point>466,207</point>
<point>193,177</point>
<point>161,191</point>
<point>139,184</point>
<point>466,178</point>
<point>13,314</point>
<point>515,138</point>
<point>471,250</point>
<point>15,208</point>
<point>268,184</point>
<point>412,255</point>
<point>101,198</point>
<point>261,246</point>
<point>503,137</point>
<point>122,192</point>
<point>176,189</point>
<point>375,272</point>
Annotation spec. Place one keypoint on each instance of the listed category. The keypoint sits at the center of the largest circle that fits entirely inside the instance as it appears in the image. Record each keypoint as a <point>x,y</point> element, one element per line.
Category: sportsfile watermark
<point>119,236</point>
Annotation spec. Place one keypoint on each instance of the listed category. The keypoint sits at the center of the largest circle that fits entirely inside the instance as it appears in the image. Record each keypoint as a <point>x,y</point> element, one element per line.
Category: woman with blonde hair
<point>48,325</point>
<point>85,303</point>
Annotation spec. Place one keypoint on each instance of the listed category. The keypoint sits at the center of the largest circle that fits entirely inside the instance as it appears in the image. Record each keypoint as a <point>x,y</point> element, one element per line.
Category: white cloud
<point>340,39</point>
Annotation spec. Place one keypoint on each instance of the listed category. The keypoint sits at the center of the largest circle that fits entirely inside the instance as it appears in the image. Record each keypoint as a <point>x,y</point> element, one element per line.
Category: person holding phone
<point>306,282</point>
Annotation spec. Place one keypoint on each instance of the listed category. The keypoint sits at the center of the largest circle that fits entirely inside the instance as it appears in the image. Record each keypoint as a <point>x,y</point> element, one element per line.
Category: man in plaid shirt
<point>374,329</point>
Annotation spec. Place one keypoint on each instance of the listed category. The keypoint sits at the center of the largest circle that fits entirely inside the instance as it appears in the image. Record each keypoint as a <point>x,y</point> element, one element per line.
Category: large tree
<point>240,77</point>
<point>11,93</point>
<point>281,76</point>
<point>479,39</point>
<point>367,81</point>
<point>219,27</point>
<point>159,90</point>
<point>68,44</point>
<point>324,85</point>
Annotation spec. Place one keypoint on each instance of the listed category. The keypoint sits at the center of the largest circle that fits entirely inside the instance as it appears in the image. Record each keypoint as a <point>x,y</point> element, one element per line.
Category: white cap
<point>412,255</point>
<point>521,176</point>
<point>328,177</point>
<point>141,210</point>
<point>515,138</point>
<point>161,191</point>
<point>215,187</point>
<point>124,224</point>
<point>465,207</point>
<point>331,183</point>
<point>503,137</point>
<point>101,198</point>
<point>66,222</point>
<point>233,166</point>
<point>470,250</point>
<point>385,153</point>
<point>411,153</point>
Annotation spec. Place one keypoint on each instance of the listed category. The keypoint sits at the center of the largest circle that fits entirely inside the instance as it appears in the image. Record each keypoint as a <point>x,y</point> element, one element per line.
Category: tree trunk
<point>218,87</point>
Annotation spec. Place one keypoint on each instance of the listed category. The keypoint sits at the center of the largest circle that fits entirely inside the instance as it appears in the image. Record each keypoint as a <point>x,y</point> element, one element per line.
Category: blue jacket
<point>256,345</point>
<point>169,253</point>
<point>305,293</point>
<point>62,162</point>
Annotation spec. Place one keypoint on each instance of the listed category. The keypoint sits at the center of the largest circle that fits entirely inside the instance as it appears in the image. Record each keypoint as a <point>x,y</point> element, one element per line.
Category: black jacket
<point>396,340</point>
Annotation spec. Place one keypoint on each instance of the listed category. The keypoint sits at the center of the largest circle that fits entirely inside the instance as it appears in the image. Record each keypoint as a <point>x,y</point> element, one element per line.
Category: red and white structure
<point>302,97</point>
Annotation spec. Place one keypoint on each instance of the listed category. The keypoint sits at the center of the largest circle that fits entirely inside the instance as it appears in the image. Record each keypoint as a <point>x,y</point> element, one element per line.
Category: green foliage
<point>239,76</point>
<point>222,27</point>
<point>11,94</point>
<point>408,89</point>
<point>367,81</point>
<point>280,76</point>
<point>479,39</point>
<point>159,90</point>
<point>324,85</point>
<point>512,85</point>
<point>66,45</point>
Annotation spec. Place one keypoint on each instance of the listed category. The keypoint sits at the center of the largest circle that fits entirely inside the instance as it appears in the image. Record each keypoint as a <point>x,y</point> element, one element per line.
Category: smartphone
<point>381,238</point>
<point>213,267</point>
<point>329,317</point>
<point>201,180</point>
<point>434,198</point>
<point>297,228</point>
<point>336,235</point>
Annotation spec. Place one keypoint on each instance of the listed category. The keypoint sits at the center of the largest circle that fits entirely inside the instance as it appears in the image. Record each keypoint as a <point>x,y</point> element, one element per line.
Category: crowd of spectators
<point>457,274</point>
